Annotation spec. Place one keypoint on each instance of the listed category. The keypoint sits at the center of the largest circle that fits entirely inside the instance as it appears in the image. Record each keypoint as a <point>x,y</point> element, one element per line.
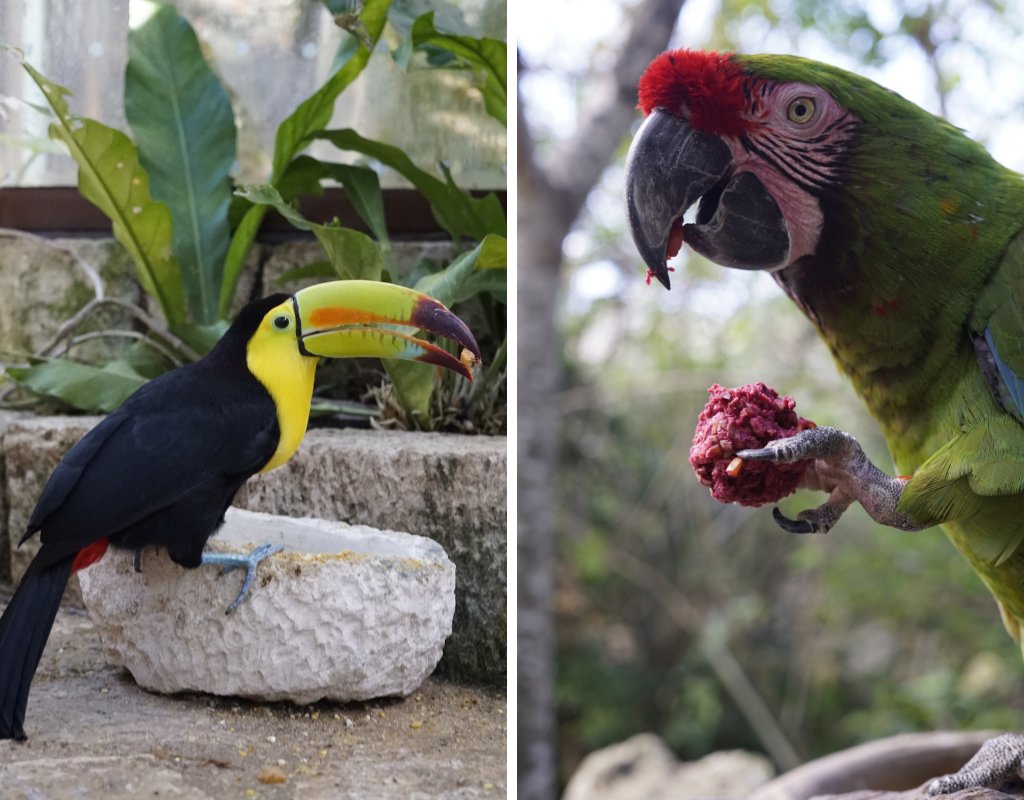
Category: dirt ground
<point>94,733</point>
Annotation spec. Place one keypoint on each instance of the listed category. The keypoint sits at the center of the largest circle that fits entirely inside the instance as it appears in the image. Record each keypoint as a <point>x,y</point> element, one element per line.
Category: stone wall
<point>450,488</point>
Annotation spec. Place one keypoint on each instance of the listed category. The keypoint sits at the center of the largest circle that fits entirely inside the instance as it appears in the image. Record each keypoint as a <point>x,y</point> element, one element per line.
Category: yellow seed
<point>416,724</point>
<point>734,467</point>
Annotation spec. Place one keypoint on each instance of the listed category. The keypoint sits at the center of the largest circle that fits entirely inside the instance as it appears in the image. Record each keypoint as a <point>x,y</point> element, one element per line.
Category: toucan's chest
<point>288,376</point>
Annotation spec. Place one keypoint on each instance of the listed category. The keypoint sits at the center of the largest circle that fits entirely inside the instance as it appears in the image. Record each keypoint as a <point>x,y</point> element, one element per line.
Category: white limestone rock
<point>346,612</point>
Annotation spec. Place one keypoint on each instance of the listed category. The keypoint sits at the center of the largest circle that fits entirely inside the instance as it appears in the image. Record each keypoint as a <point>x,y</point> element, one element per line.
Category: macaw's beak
<point>669,167</point>
<point>349,319</point>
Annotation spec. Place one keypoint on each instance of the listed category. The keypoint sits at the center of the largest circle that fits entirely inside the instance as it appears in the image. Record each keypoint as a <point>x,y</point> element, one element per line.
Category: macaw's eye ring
<point>281,322</point>
<point>801,110</point>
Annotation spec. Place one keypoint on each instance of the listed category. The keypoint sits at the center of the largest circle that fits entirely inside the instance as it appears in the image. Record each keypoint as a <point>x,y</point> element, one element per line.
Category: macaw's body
<point>898,237</point>
<point>163,469</point>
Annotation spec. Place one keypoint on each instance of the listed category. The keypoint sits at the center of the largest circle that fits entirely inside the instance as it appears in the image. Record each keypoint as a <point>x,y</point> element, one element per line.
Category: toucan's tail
<point>24,629</point>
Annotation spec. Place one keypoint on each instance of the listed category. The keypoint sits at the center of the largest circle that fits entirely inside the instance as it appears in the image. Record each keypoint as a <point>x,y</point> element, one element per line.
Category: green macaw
<point>901,240</point>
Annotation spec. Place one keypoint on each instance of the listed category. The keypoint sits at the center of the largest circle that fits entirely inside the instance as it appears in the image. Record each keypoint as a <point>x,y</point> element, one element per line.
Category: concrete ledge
<point>450,488</point>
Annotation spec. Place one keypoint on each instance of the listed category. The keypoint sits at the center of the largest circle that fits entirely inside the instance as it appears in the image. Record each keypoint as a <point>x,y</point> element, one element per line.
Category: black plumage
<point>161,470</point>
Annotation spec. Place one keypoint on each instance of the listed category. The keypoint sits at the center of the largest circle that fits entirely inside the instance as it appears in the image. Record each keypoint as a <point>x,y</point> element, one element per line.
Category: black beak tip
<point>662,276</point>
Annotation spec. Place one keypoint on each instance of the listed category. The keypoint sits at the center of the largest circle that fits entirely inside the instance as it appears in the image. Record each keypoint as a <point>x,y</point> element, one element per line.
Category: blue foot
<point>232,560</point>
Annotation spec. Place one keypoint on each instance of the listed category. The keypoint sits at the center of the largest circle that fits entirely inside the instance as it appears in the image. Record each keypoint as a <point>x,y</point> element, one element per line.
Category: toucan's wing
<point>166,442</point>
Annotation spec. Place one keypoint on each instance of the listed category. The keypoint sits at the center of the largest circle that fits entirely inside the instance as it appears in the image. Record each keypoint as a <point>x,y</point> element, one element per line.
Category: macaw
<point>901,241</point>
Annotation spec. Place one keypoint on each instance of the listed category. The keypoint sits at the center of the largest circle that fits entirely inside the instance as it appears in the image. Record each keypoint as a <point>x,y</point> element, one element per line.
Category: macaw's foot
<point>839,467</point>
<point>250,562</point>
<point>998,762</point>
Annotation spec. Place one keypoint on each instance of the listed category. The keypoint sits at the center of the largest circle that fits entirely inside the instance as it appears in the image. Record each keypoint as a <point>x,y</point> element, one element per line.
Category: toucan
<point>164,467</point>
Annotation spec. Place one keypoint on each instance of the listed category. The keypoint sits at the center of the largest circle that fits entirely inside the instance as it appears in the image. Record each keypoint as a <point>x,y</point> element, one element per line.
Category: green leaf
<point>493,253</point>
<point>402,54</point>
<point>422,267</point>
<point>111,177</point>
<point>414,383</point>
<point>266,194</point>
<point>302,176</point>
<point>201,338</point>
<point>185,128</point>
<point>316,111</point>
<point>362,186</point>
<point>82,386</point>
<point>447,285</point>
<point>354,255</point>
<point>489,56</point>
<point>449,18</point>
<point>240,242</point>
<point>456,211</point>
<point>145,360</point>
<point>489,280</point>
<point>318,269</point>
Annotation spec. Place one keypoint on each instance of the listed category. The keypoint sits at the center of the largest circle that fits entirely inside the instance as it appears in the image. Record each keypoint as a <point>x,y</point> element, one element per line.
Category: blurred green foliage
<point>862,633</point>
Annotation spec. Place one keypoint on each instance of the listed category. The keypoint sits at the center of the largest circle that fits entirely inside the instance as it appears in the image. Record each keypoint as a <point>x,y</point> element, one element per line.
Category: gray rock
<point>41,287</point>
<point>6,419</point>
<point>448,487</point>
<point>643,768</point>
<point>344,613</point>
<point>32,447</point>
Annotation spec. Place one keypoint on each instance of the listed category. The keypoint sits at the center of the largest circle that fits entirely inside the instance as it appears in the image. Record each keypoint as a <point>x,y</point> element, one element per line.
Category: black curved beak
<point>669,167</point>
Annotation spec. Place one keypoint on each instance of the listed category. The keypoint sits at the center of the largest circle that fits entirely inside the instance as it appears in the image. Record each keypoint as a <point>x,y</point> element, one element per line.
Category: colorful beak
<point>350,319</point>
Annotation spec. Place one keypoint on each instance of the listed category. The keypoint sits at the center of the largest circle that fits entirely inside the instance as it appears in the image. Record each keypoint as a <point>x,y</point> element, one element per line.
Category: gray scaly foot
<point>839,467</point>
<point>998,761</point>
<point>250,562</point>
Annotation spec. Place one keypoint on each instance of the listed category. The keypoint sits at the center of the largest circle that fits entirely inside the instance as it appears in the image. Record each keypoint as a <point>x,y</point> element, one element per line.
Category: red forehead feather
<point>709,84</point>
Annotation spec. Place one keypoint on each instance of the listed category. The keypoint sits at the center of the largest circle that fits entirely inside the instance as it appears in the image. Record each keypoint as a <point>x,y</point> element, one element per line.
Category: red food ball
<point>743,418</point>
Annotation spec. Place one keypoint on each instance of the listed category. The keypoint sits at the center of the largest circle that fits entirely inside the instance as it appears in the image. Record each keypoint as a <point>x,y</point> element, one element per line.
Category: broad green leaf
<point>447,285</point>
<point>111,177</point>
<point>145,360</point>
<point>266,194</point>
<point>201,338</point>
<point>84,387</point>
<point>489,56</point>
<point>361,185</point>
<point>414,383</point>
<point>318,269</point>
<point>488,280</point>
<point>493,253</point>
<point>316,111</point>
<point>240,242</point>
<point>456,211</point>
<point>354,255</point>
<point>448,18</point>
<point>402,54</point>
<point>422,267</point>
<point>185,128</point>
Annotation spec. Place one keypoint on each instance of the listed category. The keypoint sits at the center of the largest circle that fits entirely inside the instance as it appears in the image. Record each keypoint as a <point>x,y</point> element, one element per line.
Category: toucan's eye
<point>281,322</point>
<point>801,110</point>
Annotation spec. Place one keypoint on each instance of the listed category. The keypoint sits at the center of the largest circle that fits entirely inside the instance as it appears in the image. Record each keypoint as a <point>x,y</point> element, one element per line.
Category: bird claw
<point>232,560</point>
<point>793,525</point>
<point>999,761</point>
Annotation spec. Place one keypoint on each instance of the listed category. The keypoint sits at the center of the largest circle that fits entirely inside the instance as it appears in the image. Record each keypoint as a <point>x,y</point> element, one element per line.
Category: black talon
<point>792,525</point>
<point>762,454</point>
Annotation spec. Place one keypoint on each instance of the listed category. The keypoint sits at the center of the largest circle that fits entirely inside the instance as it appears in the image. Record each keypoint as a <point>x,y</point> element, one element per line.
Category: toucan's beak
<point>347,319</point>
<point>669,167</point>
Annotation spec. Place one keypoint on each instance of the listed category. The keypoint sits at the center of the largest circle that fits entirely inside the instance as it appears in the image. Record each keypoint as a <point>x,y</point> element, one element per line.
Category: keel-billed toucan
<point>164,467</point>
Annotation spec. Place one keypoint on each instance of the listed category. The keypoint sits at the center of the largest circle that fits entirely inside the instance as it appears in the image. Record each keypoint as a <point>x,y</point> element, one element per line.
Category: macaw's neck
<point>901,262</point>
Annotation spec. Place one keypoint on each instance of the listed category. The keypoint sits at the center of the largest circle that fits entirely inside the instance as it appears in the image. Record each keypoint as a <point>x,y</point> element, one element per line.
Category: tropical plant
<point>172,203</point>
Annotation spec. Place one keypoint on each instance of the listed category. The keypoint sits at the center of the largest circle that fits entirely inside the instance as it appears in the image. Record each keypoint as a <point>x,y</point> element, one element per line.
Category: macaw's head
<point>795,162</point>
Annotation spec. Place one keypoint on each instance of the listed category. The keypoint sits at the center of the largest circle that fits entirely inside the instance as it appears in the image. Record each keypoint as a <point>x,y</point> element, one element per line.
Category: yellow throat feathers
<point>273,357</point>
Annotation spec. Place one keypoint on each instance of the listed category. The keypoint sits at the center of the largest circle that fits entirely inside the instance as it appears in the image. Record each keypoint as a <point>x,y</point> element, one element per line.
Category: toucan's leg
<point>839,467</point>
<point>998,761</point>
<point>231,560</point>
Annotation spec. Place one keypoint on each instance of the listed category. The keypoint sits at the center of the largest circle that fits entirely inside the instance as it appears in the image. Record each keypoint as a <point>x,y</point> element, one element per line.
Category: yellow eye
<point>801,110</point>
